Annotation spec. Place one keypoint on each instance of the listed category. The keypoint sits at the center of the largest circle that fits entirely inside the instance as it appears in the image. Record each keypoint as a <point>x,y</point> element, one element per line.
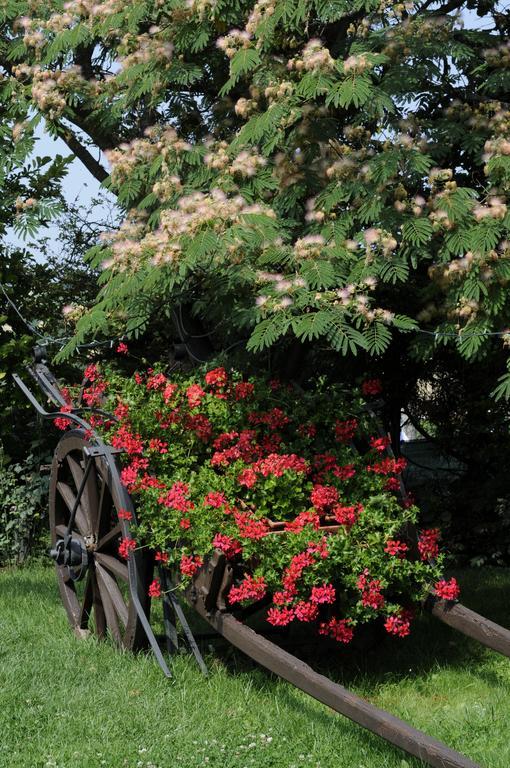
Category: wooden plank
<point>287,666</point>
<point>471,624</point>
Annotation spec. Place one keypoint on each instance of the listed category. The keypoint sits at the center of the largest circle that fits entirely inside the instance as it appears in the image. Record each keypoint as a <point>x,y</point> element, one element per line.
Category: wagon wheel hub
<point>91,542</point>
<point>73,555</point>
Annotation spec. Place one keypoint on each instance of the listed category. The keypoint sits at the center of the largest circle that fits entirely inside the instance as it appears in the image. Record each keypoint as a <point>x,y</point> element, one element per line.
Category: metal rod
<point>188,633</point>
<point>78,499</point>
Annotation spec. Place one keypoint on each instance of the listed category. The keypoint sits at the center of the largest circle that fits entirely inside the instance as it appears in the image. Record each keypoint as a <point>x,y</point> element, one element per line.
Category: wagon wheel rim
<point>101,603</point>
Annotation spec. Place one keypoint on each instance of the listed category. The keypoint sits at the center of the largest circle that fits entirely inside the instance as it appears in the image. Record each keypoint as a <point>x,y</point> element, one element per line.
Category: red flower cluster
<point>214,499</point>
<point>121,411</point>
<point>155,588</point>
<point>428,546</point>
<point>370,589</point>
<point>399,624</point>
<point>216,378</point>
<point>126,546</point>
<point>91,372</point>
<point>347,516</point>
<point>200,425</point>
<point>122,348</point>
<point>396,548</point>
<point>392,484</point>
<point>245,448</point>
<point>323,497</point>
<point>388,466</point>
<point>177,498</point>
<point>190,564</point>
<point>249,527</point>
<point>280,617</point>
<point>124,514</point>
<point>274,419</point>
<point>169,392</point>
<point>345,430</point>
<point>275,464</point>
<point>380,444</point>
<point>156,382</point>
<point>306,612</point>
<point>125,440</point>
<point>338,629</point>
<point>195,394</point>
<point>248,478</point>
<point>323,595</point>
<point>60,422</point>
<point>251,588</point>
<point>243,390</point>
<point>94,394</point>
<point>161,557</point>
<point>309,517</point>
<point>157,445</point>
<point>447,590</point>
<point>371,387</point>
<point>226,544</point>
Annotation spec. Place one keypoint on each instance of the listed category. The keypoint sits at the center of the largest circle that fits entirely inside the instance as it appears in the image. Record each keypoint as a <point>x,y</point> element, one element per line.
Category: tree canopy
<point>321,169</point>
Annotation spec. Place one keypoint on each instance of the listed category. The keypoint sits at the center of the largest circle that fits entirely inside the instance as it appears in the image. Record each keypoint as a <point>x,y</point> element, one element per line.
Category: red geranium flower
<point>190,564</point>
<point>338,629</point>
<point>447,590</point>
<point>155,588</point>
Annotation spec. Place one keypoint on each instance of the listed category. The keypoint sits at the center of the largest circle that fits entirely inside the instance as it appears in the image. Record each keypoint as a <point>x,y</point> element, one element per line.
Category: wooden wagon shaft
<point>332,694</point>
<point>472,624</point>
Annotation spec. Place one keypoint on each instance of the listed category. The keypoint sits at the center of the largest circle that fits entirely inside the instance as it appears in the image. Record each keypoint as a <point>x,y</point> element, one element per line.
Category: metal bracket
<point>172,609</point>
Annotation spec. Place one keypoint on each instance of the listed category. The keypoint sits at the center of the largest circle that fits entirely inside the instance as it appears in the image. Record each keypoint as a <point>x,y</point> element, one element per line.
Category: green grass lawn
<point>79,703</point>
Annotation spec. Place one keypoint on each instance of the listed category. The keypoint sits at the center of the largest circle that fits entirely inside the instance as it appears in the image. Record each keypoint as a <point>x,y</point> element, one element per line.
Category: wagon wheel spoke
<point>88,600</point>
<point>109,537</point>
<point>61,531</point>
<point>69,498</point>
<point>114,592</point>
<point>90,490</point>
<point>108,606</point>
<point>99,613</point>
<point>113,565</point>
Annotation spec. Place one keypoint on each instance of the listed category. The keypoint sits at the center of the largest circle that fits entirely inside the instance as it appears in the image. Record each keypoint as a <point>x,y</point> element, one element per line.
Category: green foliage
<point>23,497</point>
<point>325,141</point>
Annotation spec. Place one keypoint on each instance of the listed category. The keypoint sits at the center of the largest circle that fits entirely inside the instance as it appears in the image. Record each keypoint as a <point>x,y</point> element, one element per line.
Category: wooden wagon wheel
<point>95,587</point>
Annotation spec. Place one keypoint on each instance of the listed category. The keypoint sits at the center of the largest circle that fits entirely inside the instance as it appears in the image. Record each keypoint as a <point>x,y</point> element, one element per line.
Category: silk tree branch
<point>82,153</point>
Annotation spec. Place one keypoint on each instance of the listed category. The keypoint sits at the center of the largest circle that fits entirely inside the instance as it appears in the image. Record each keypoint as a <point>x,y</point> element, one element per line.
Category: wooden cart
<point>106,594</point>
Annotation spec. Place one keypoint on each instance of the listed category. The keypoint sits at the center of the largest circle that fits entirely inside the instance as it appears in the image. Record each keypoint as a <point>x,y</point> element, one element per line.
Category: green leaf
<point>377,338</point>
<point>319,273</point>
<point>311,326</point>
<point>266,332</point>
<point>503,388</point>
<point>417,231</point>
